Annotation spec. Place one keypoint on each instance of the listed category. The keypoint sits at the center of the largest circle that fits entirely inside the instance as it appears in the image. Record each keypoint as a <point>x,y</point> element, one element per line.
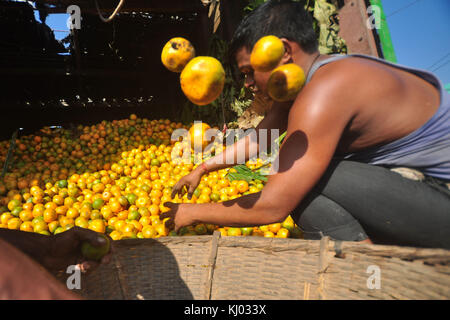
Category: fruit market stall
<point>95,115</point>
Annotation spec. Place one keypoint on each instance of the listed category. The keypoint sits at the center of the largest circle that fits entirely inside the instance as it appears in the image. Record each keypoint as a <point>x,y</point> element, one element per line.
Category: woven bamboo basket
<point>243,268</point>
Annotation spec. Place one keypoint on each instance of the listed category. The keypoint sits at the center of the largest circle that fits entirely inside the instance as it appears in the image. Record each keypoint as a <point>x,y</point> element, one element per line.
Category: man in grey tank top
<point>355,119</point>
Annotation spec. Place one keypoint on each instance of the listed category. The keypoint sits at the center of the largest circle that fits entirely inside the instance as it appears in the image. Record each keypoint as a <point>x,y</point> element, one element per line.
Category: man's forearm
<point>237,153</point>
<point>249,210</point>
<point>34,245</point>
<point>23,278</point>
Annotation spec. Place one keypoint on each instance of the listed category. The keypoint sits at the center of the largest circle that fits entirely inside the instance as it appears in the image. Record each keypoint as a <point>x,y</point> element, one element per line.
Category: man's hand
<point>65,249</point>
<point>191,182</point>
<point>178,217</point>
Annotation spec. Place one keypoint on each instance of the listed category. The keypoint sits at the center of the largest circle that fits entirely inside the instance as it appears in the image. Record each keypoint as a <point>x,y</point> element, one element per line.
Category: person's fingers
<point>182,189</point>
<point>168,214</point>
<point>170,205</point>
<point>175,190</point>
<point>170,224</point>
<point>191,191</point>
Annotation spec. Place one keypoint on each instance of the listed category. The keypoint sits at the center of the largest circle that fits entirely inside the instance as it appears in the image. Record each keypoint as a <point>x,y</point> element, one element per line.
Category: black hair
<point>281,18</point>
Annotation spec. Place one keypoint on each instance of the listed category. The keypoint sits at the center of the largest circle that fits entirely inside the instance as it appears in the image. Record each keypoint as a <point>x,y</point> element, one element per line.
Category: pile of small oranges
<point>112,178</point>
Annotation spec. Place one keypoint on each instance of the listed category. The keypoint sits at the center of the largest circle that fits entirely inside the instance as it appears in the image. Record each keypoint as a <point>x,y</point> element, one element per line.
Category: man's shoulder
<point>349,81</point>
<point>348,69</point>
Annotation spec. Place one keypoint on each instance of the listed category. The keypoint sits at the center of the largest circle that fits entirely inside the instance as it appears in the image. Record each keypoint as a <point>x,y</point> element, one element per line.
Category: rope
<point>112,15</point>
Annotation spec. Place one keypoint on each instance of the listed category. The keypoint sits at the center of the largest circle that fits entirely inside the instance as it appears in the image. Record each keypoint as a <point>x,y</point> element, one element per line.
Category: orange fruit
<point>234,232</point>
<point>142,202</point>
<point>202,80</point>
<point>97,225</point>
<point>154,210</point>
<point>38,210</point>
<point>232,191</point>
<point>161,229</point>
<point>72,213</point>
<point>26,226</point>
<point>40,226</point>
<point>285,82</point>
<point>50,215</point>
<point>58,200</point>
<point>13,203</point>
<point>242,186</point>
<point>145,221</point>
<point>283,233</point>
<point>5,217</point>
<point>257,232</point>
<point>28,206</point>
<point>155,220</point>
<point>138,226</point>
<point>274,227</point>
<point>14,223</point>
<point>200,229</point>
<point>61,210</point>
<point>64,221</point>
<point>269,234</point>
<point>288,223</point>
<point>197,135</point>
<point>26,215</point>
<point>52,226</point>
<point>223,232</point>
<point>106,212</point>
<point>149,232</point>
<point>115,235</point>
<point>118,225</point>
<point>128,228</point>
<point>176,53</point>
<point>247,231</point>
<point>267,53</point>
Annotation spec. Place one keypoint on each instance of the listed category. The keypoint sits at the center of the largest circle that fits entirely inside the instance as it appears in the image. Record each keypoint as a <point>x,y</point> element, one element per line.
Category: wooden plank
<point>353,29</point>
<point>107,6</point>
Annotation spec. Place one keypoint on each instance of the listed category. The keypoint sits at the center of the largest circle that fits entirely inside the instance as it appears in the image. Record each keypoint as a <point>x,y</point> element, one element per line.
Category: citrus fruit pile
<point>112,178</point>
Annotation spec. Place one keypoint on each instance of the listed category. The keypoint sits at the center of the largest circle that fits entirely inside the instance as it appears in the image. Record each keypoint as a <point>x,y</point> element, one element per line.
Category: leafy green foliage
<point>245,173</point>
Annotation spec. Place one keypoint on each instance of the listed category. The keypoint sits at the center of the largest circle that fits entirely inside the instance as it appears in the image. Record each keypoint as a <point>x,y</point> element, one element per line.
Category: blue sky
<point>420,32</point>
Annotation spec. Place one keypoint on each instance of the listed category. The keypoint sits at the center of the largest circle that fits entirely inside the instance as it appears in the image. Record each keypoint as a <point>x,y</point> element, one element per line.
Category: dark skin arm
<point>23,278</point>
<point>315,125</point>
<point>58,251</point>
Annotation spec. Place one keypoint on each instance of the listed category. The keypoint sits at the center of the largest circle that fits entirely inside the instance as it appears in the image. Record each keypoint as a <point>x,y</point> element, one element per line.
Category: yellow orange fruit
<point>274,227</point>
<point>176,53</point>
<point>197,135</point>
<point>234,232</point>
<point>269,234</point>
<point>202,80</point>
<point>285,82</point>
<point>149,232</point>
<point>283,233</point>
<point>267,53</point>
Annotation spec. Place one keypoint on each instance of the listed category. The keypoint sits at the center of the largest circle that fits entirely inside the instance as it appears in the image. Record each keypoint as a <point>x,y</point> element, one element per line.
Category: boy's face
<point>254,80</point>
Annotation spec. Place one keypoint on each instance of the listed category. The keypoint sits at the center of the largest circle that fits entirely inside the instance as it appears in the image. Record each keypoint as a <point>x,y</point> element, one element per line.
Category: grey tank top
<point>427,149</point>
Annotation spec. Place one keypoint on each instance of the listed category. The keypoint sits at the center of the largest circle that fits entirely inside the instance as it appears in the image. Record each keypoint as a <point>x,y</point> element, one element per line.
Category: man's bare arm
<point>316,123</point>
